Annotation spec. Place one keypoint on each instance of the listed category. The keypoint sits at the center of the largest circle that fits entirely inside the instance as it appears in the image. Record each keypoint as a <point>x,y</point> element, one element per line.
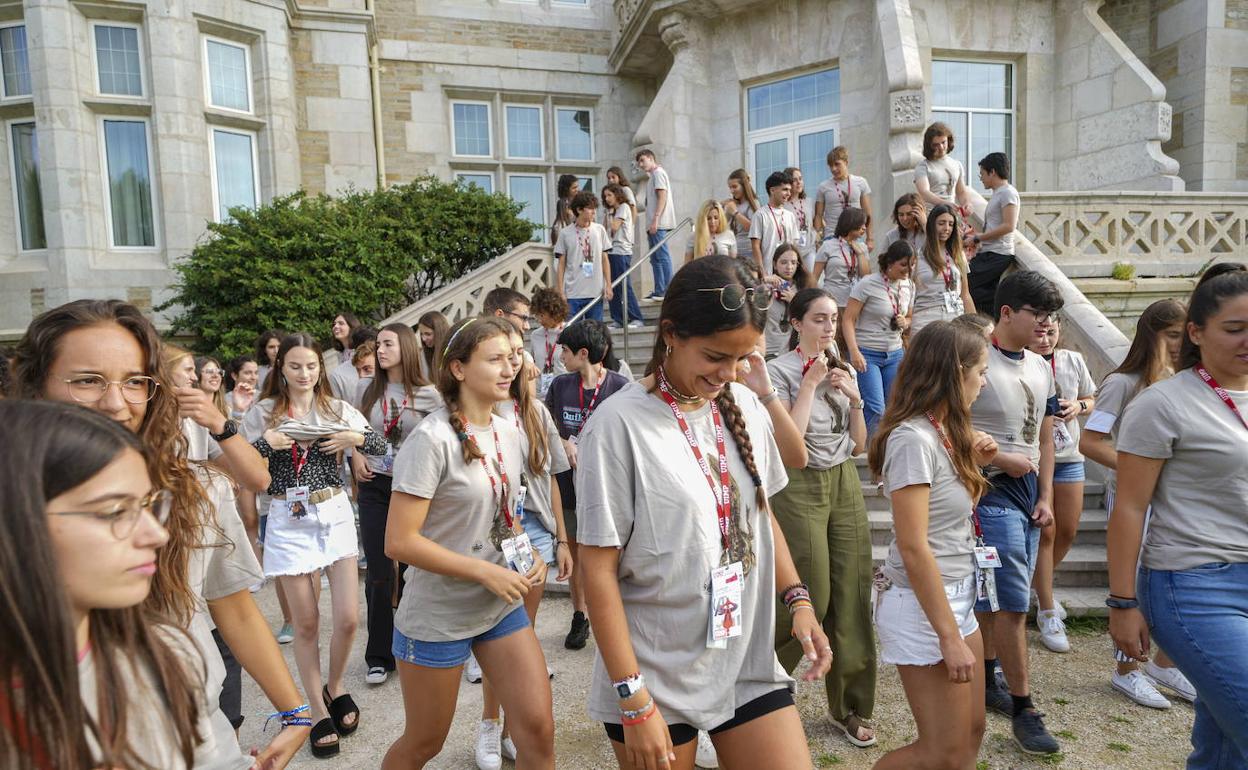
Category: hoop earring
<point>667,352</point>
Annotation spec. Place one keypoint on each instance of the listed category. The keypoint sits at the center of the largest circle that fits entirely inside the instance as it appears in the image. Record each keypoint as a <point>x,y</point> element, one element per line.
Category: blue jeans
<point>877,382</point>
<point>660,261</point>
<point>576,303</point>
<point>1199,616</point>
<point>1017,543</point>
<point>619,264</point>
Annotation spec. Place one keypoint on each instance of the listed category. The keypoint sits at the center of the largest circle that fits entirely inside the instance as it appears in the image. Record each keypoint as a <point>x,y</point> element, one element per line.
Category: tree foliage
<point>294,263</point>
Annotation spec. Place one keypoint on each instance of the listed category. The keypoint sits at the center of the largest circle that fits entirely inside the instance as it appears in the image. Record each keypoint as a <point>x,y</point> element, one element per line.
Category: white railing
<point>526,268</point>
<point>1160,234</point>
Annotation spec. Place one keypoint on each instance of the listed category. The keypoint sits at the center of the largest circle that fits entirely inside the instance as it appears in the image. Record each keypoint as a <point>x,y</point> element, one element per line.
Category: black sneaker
<point>1031,735</point>
<point>579,633</point>
<point>997,698</point>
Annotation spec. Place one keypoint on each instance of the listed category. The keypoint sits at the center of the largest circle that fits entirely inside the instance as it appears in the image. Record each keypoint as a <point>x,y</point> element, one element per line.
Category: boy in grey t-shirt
<point>661,216</point>
<point>996,242</point>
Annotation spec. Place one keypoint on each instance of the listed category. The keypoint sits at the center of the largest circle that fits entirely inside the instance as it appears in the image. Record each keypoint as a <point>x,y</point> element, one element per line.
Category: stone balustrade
<point>1160,234</point>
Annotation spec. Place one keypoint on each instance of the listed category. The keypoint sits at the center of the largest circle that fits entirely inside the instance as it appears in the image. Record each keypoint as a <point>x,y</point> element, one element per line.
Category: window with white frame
<point>26,188</point>
<point>118,60</point>
<point>793,122</point>
<point>481,179</point>
<point>976,100</point>
<point>574,134</point>
<point>523,128</point>
<point>470,128</point>
<point>229,74</point>
<point>234,178</point>
<point>529,190</point>
<point>14,61</point>
<point>128,182</point>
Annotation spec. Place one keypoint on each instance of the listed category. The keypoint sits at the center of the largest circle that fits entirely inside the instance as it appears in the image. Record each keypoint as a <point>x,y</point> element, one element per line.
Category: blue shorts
<point>539,536</point>
<point>452,654</point>
<point>1068,473</point>
<point>1017,542</point>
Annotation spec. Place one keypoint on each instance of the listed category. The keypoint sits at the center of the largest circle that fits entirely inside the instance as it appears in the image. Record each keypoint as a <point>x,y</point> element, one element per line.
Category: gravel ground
<point>1097,727</point>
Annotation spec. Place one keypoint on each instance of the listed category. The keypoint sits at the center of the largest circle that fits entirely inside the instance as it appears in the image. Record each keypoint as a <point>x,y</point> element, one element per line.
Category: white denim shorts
<point>906,636</point>
<point>297,545</point>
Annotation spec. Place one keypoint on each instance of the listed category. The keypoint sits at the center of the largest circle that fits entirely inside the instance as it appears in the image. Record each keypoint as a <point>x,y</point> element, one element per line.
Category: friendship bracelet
<point>785,591</point>
<point>772,396</point>
<point>288,718</point>
<point>635,713</point>
<point>627,722</point>
<point>801,604</point>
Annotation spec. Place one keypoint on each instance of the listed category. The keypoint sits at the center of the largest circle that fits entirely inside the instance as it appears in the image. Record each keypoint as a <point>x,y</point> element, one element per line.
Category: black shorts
<point>682,733</point>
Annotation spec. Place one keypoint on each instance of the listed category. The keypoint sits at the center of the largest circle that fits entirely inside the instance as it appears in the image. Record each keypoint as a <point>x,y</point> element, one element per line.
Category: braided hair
<point>463,339</point>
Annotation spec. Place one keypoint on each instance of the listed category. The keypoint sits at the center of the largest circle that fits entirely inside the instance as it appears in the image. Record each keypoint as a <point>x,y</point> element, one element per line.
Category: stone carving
<point>625,11</point>
<point>678,32</point>
<point>1165,115</point>
<point>906,110</point>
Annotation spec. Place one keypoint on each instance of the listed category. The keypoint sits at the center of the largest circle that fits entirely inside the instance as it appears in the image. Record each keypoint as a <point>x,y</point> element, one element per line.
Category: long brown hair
<point>161,434</point>
<point>409,365</point>
<point>689,312</point>
<point>930,379</point>
<point>275,388</point>
<point>218,396</point>
<point>62,447</point>
<point>747,187</point>
<point>530,418</point>
<point>438,323</point>
<point>1147,358</point>
<point>1219,284</point>
<point>464,338</point>
<point>934,251</point>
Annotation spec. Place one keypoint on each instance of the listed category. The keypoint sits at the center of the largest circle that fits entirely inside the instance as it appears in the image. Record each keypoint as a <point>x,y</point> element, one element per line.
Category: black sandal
<point>323,729</point>
<point>339,709</point>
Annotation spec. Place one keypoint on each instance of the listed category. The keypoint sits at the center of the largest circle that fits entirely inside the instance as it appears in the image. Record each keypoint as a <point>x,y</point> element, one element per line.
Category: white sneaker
<point>706,756</point>
<point>634,324</point>
<point>488,734</point>
<point>1035,602</point>
<point>286,635</point>
<point>1172,679</point>
<point>472,670</point>
<point>1138,688</point>
<point>1052,631</point>
<point>509,748</point>
<point>376,675</point>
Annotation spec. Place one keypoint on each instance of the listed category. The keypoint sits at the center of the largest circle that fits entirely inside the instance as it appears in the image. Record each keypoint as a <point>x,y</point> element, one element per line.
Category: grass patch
<point>1087,626</point>
<point>1066,735</point>
<point>981,765</point>
<point>1061,701</point>
<point>828,760</point>
<point>1124,748</point>
<point>1051,759</point>
<point>1120,720</point>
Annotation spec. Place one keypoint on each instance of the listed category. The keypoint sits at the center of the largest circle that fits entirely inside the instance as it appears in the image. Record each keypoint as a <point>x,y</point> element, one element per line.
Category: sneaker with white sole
<point>376,675</point>
<point>706,756</point>
<point>1052,631</point>
<point>1138,688</point>
<point>1035,602</point>
<point>472,670</point>
<point>508,748</point>
<point>286,635</point>
<point>1172,679</point>
<point>489,733</point>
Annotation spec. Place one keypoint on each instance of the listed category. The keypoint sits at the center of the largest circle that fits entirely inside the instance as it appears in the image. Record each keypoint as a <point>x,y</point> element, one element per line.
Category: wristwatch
<point>1118,603</point>
<point>627,688</point>
<point>229,431</point>
<point>976,239</point>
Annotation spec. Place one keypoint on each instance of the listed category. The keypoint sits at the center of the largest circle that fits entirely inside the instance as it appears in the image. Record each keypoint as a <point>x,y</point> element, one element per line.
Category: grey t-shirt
<point>343,378</point>
<point>777,330</point>
<point>538,480</point>
<point>740,231</point>
<point>1199,502</point>
<point>880,303</point>
<point>932,285</point>
<point>916,240</point>
<point>639,489</point>
<point>464,517</point>
<point>772,227</point>
<point>942,175</point>
<point>1011,406</point>
<point>544,347</point>
<point>412,409</point>
<point>914,455</point>
<point>622,240</point>
<point>1116,391</point>
<point>838,277</point>
<point>827,434</point>
<point>836,196</point>
<point>994,217</point>
<point>1073,381</point>
<point>660,181</point>
<point>200,445</point>
<point>583,277</point>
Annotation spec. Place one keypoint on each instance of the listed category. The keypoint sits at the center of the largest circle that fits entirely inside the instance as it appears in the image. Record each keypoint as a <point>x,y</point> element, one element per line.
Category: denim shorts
<point>1068,473</point>
<point>1017,542</point>
<point>539,536</point>
<point>452,654</point>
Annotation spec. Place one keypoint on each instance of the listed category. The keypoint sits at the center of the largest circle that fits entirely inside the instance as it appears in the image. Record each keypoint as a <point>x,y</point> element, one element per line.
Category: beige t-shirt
<point>942,175</point>
<point>1199,503</point>
<point>622,240</point>
<point>538,499</point>
<point>583,277</point>
<point>412,409</point>
<point>837,196</point>
<point>776,330</point>
<point>1073,381</point>
<point>464,517</point>
<point>772,227</point>
<point>639,489</point>
<point>838,277</point>
<point>1011,406</point>
<point>914,455</point>
<point>880,303</point>
<point>828,442</point>
<point>930,292</point>
<point>742,232</point>
<point>660,181</point>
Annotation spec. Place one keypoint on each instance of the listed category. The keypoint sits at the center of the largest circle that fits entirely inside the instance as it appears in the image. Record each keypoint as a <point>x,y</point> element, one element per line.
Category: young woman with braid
<point>930,456</point>
<point>105,355</point>
<point>454,519</point>
<point>941,292</point>
<point>706,440</point>
<point>394,401</point>
<point>822,512</point>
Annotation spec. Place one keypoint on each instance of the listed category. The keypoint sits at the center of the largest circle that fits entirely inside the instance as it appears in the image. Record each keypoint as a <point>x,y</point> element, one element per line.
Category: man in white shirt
<point>996,243</point>
<point>773,224</point>
<point>660,220</point>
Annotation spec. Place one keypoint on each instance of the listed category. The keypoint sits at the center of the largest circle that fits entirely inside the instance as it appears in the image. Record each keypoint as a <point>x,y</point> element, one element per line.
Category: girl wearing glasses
<point>211,378</point>
<point>663,561</point>
<point>91,676</point>
<point>822,513</point>
<point>873,322</point>
<point>105,355</point>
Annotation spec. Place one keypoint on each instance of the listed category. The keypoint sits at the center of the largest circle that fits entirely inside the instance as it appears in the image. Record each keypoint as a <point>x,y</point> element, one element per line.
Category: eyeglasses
<point>734,296</point>
<point>210,372</point>
<point>123,518</point>
<point>1041,316</point>
<point>90,388</point>
<point>524,319</point>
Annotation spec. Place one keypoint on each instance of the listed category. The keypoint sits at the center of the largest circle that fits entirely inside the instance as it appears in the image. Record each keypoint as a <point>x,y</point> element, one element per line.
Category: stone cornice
<point>312,17</point>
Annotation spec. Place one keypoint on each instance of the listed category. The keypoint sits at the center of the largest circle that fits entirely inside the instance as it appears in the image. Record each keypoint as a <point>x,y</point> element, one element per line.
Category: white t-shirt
<point>659,181</point>
<point>344,378</point>
<point>772,227</point>
<point>842,262</point>
<point>639,489</point>
<point>1116,391</point>
<point>837,196</point>
<point>199,442</point>
<point>1073,381</point>
<point>583,277</point>
<point>943,175</point>
<point>622,240</point>
<point>1199,502</point>
<point>828,442</point>
<point>881,300</point>
<point>994,217</point>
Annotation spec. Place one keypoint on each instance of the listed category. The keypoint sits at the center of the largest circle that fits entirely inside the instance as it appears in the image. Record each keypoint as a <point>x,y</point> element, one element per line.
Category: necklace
<point>680,397</point>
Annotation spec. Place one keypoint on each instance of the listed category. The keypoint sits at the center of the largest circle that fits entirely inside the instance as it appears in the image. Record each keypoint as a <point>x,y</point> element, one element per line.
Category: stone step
<point>1084,566</point>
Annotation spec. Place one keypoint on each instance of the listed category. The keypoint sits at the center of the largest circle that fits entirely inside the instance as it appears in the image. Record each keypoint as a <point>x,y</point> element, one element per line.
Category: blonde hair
<point>702,235</point>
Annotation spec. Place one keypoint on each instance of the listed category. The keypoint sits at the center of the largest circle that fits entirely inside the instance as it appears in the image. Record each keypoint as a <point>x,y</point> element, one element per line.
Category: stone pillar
<point>907,103</point>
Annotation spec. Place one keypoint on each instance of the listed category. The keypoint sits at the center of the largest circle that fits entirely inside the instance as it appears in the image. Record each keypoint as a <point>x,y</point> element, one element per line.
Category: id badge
<point>986,588</point>
<point>1062,439</point>
<point>727,589</point>
<point>801,239</point>
<point>953,303</point>
<point>387,461</point>
<point>986,557</point>
<point>297,502</point>
<point>572,439</point>
<point>543,383</point>
<point>519,553</point>
<point>587,269</point>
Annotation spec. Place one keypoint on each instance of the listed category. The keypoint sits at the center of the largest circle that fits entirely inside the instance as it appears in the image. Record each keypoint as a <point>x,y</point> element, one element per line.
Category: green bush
<point>295,262</point>
<point>1122,271</point>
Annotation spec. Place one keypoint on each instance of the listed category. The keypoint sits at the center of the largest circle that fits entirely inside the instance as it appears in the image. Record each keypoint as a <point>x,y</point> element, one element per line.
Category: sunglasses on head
<point>734,296</point>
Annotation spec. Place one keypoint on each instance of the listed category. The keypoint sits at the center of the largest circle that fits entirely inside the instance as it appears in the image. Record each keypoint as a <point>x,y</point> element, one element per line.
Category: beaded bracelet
<point>794,594</point>
<point>799,604</point>
<point>785,591</point>
<point>644,713</point>
<point>288,718</point>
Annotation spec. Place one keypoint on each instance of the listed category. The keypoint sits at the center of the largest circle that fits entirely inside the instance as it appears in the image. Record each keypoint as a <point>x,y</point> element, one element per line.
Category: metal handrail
<point>682,224</point>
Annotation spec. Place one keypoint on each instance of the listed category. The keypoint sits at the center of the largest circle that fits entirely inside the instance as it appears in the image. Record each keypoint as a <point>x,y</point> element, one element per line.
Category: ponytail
<point>460,425</point>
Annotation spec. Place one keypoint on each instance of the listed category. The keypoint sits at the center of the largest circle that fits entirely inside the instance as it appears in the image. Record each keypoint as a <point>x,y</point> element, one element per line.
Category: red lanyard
<point>940,433</point>
<point>502,472</point>
<point>387,427</point>
<point>946,271</point>
<point>799,211</point>
<point>1204,374</point>
<point>722,491</point>
<point>806,362</point>
<point>550,350</point>
<point>515,414</point>
<point>583,243</point>
<point>593,401</point>
<point>896,303</point>
<point>775,218</point>
<point>850,260</point>
<point>298,461</point>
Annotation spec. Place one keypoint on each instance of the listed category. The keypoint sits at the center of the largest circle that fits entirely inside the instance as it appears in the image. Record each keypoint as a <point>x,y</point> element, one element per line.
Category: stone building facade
<point>128,126</point>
